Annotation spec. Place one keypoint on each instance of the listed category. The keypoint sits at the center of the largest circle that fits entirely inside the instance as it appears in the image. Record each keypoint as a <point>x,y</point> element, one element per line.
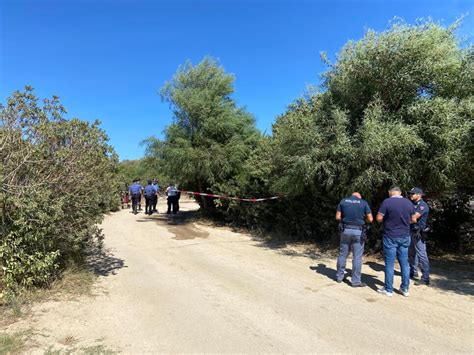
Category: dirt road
<point>171,285</point>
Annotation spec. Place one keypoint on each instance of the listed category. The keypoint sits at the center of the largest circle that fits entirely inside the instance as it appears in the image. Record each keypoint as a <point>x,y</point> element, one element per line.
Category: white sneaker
<point>405,293</point>
<point>383,291</point>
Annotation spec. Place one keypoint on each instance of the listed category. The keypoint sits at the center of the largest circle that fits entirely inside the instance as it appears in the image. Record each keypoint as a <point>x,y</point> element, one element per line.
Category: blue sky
<point>108,59</point>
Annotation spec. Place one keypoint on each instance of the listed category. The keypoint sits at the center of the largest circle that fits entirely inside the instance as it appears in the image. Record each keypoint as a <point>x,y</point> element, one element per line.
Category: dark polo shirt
<point>396,212</point>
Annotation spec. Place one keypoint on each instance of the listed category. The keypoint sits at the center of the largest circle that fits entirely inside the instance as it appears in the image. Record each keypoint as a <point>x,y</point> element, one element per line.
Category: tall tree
<point>211,137</point>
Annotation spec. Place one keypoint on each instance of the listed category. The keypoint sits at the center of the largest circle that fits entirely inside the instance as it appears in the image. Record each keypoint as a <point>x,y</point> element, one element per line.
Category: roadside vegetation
<point>396,107</point>
<point>58,178</point>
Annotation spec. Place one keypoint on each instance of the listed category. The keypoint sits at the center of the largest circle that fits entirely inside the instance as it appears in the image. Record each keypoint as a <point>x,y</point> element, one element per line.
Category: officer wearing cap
<point>417,251</point>
<point>135,191</point>
<point>352,212</point>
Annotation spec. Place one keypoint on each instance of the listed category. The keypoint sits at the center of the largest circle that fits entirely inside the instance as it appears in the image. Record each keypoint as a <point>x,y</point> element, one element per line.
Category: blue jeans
<point>396,247</point>
<point>350,239</point>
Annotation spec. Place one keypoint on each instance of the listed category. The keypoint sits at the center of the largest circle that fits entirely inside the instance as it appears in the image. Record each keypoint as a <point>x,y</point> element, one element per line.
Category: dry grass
<point>14,343</point>
<point>73,283</point>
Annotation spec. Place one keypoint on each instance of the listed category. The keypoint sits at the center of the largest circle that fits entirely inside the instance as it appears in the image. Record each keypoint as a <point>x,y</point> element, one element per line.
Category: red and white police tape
<point>229,197</point>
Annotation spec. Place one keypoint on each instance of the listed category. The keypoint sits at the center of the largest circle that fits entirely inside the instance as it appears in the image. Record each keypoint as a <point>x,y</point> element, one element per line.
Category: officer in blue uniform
<point>172,193</point>
<point>156,187</point>
<point>135,191</point>
<point>140,196</point>
<point>149,193</point>
<point>352,212</point>
<point>417,252</point>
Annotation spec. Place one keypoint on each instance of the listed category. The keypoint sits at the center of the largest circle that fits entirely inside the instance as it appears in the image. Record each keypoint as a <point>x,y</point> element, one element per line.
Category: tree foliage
<point>395,108</point>
<point>210,137</point>
<point>57,180</point>
<point>143,169</point>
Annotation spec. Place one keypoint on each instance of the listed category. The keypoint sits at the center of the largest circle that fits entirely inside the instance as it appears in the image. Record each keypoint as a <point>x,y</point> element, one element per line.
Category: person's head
<point>415,194</point>
<point>356,194</point>
<point>149,182</point>
<point>155,181</point>
<point>395,191</point>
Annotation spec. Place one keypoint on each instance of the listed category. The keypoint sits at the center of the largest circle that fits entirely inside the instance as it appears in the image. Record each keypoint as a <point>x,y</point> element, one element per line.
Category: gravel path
<point>171,285</point>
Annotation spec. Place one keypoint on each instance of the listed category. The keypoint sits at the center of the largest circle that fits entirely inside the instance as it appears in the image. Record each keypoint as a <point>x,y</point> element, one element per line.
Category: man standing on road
<point>140,197</point>
<point>172,193</point>
<point>396,213</point>
<point>352,212</point>
<point>135,191</point>
<point>417,251</point>
<point>149,193</point>
<point>156,187</point>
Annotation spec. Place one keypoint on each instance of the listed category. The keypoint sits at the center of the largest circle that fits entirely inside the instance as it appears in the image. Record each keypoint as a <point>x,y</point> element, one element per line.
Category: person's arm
<point>382,212</point>
<point>368,213</point>
<point>415,217</point>
<point>339,212</point>
<point>369,217</point>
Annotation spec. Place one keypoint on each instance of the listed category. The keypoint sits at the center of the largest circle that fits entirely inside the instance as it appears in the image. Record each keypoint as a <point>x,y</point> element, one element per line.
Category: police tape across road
<point>229,197</point>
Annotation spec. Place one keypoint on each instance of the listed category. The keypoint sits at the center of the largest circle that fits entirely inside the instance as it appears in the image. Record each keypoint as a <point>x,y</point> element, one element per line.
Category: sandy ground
<point>171,285</point>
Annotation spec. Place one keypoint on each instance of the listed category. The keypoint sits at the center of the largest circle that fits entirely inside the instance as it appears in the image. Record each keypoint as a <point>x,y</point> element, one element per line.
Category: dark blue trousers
<point>419,258</point>
<point>350,240</point>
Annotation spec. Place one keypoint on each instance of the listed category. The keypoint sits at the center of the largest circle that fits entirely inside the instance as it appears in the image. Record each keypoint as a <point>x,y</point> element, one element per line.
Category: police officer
<point>140,197</point>
<point>135,191</point>
<point>156,187</point>
<point>172,193</point>
<point>149,193</point>
<point>417,252</point>
<point>352,212</point>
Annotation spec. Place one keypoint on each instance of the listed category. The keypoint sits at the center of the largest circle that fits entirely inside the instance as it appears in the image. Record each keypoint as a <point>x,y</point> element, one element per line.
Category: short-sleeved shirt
<point>422,208</point>
<point>149,190</point>
<point>353,210</point>
<point>396,212</point>
<point>135,189</point>
<point>156,188</point>
<point>171,191</point>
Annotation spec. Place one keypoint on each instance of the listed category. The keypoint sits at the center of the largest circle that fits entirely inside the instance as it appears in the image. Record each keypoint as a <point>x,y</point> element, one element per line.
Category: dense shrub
<point>396,107</point>
<point>57,179</point>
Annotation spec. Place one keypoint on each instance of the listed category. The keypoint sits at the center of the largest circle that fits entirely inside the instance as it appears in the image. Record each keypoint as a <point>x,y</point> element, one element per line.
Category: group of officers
<point>404,237</point>
<point>404,231</point>
<point>150,192</point>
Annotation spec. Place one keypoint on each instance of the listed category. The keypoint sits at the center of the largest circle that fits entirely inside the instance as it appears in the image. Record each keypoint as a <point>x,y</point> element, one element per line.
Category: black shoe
<point>414,278</point>
<point>422,283</point>
<point>338,281</point>
<point>359,285</point>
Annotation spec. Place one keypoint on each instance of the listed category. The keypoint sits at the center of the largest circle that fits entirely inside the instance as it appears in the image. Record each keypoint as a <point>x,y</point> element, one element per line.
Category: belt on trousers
<point>352,226</point>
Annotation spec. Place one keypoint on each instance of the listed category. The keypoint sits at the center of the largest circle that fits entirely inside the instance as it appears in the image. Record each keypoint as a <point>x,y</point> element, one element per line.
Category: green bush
<point>396,107</point>
<point>57,180</point>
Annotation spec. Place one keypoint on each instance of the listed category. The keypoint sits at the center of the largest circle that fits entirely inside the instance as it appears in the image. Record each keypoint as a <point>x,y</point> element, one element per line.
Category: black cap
<point>416,191</point>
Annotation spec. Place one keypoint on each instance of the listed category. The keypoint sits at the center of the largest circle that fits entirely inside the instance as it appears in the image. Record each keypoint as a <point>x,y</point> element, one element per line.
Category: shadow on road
<point>372,281</point>
<point>180,224</point>
<point>455,275</point>
<point>103,262</point>
<point>450,276</point>
<point>182,217</point>
<point>295,249</point>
